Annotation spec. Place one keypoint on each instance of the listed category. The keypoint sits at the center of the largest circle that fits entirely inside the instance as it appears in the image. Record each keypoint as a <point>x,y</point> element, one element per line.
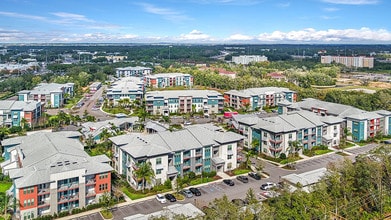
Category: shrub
<point>282,156</point>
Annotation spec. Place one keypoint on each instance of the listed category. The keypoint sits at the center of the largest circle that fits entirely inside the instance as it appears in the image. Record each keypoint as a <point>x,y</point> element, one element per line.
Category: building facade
<point>131,88</point>
<point>163,80</point>
<point>95,86</point>
<point>246,59</point>
<point>14,113</point>
<point>257,98</point>
<point>137,71</point>
<point>358,62</point>
<point>275,135</point>
<point>52,173</point>
<point>51,94</point>
<point>368,125</point>
<point>184,101</point>
<point>196,148</point>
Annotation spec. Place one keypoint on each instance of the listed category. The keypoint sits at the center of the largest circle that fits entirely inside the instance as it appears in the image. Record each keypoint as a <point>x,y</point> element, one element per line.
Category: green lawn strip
<point>240,171</point>
<point>320,152</point>
<point>133,195</point>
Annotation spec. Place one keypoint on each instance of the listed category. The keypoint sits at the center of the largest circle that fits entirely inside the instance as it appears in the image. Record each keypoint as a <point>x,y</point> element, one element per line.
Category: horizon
<point>196,22</point>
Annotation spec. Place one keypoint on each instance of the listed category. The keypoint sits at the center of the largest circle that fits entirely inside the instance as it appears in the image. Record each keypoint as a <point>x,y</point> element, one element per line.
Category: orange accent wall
<point>102,181</point>
<point>23,197</point>
<point>294,97</point>
<point>28,116</point>
<point>226,98</point>
<point>245,101</point>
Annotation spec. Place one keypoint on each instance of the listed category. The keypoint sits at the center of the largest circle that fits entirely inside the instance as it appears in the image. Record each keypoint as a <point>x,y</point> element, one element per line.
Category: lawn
<point>4,186</point>
<point>132,195</point>
<point>320,152</point>
<point>199,180</point>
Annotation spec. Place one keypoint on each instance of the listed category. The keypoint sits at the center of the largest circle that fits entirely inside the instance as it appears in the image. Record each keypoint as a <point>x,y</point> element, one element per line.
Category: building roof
<point>188,210</point>
<point>192,137</point>
<point>95,128</point>
<point>47,88</point>
<point>19,105</point>
<point>133,68</point>
<point>365,116</point>
<point>178,93</point>
<point>258,91</point>
<point>45,154</point>
<point>164,75</point>
<point>307,178</point>
<point>156,126</point>
<point>335,109</point>
<point>126,85</point>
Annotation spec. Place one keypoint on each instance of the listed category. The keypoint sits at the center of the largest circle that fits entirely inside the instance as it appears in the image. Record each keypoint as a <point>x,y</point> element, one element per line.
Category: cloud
<point>284,5</point>
<point>239,37</point>
<point>331,9</point>
<point>69,17</point>
<point>352,2</point>
<point>166,13</point>
<point>23,16</point>
<point>228,2</point>
<point>194,35</point>
<point>329,17</point>
<point>326,36</point>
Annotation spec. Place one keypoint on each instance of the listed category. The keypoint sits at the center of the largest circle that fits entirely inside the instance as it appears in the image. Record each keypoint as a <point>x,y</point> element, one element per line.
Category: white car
<point>268,185</point>
<point>161,198</point>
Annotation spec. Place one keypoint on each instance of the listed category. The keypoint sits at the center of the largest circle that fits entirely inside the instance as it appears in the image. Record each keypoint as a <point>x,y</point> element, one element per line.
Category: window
<point>229,147</point>
<point>229,166</point>
<point>229,157</point>
<point>158,161</point>
<point>103,176</point>
<point>159,171</point>
<point>102,187</point>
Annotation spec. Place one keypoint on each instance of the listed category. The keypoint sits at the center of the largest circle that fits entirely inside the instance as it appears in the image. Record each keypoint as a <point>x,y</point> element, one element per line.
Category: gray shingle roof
<point>143,145</point>
<point>258,91</point>
<point>50,153</point>
<point>335,109</point>
<point>18,105</point>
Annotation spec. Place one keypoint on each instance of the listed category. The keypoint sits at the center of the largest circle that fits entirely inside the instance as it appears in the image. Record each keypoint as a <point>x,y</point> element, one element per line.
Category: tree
<point>4,131</point>
<point>251,198</point>
<point>145,173</point>
<point>107,201</point>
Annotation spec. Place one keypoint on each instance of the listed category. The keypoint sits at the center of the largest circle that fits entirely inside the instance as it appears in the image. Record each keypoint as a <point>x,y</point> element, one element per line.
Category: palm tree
<point>145,173</point>
<point>4,131</point>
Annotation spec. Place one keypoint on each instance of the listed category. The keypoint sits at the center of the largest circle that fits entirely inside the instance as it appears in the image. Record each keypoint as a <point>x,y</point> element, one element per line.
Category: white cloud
<point>352,2</point>
<point>284,5</point>
<point>331,9</point>
<point>330,35</point>
<point>328,17</point>
<point>194,35</point>
<point>71,17</point>
<point>239,37</point>
<point>166,13</point>
<point>23,16</point>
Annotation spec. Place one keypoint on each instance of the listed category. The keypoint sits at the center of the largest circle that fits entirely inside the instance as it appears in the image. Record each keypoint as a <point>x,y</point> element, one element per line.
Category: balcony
<point>43,203</point>
<point>43,191</point>
<point>90,193</point>
<point>68,186</point>
<point>278,149</point>
<point>276,141</point>
<point>186,157</point>
<point>90,182</point>
<point>70,198</point>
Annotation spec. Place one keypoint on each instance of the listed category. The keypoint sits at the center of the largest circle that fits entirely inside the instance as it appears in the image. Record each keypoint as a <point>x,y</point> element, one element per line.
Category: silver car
<point>187,193</point>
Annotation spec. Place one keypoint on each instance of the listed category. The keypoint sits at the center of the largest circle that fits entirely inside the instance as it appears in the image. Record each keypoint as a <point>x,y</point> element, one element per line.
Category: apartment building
<point>12,113</point>
<point>274,135</point>
<point>52,173</point>
<point>95,86</point>
<point>131,88</point>
<point>357,62</point>
<point>163,80</point>
<point>184,101</point>
<point>361,124</point>
<point>196,148</point>
<point>368,125</point>
<point>257,98</point>
<point>246,59</point>
<point>137,71</point>
<point>50,94</point>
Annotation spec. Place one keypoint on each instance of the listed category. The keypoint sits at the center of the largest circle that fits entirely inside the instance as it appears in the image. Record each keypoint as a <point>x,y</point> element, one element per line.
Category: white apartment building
<point>133,71</point>
<point>196,148</point>
<point>360,61</point>
<point>246,59</point>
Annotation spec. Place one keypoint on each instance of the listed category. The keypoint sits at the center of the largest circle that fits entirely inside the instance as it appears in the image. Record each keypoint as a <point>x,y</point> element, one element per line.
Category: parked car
<point>195,191</point>
<point>187,193</point>
<point>170,197</point>
<point>161,198</point>
<point>268,185</point>
<point>229,182</point>
<point>242,179</point>
<point>254,175</point>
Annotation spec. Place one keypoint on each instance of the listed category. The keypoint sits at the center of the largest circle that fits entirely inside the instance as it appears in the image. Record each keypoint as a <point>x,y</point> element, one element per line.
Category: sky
<point>196,21</point>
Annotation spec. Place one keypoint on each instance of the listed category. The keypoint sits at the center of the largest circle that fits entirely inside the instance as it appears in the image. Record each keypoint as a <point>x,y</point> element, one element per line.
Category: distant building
<point>246,59</point>
<point>51,173</point>
<point>357,62</point>
<point>184,101</point>
<point>50,94</point>
<point>163,80</point>
<point>276,76</point>
<point>254,98</point>
<point>12,113</point>
<point>133,71</point>
<point>131,88</point>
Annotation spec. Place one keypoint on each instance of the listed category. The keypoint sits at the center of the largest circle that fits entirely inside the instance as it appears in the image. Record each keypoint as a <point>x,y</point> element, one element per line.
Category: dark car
<point>229,182</point>
<point>254,175</point>
<point>170,197</point>
<point>242,179</point>
<point>195,191</point>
